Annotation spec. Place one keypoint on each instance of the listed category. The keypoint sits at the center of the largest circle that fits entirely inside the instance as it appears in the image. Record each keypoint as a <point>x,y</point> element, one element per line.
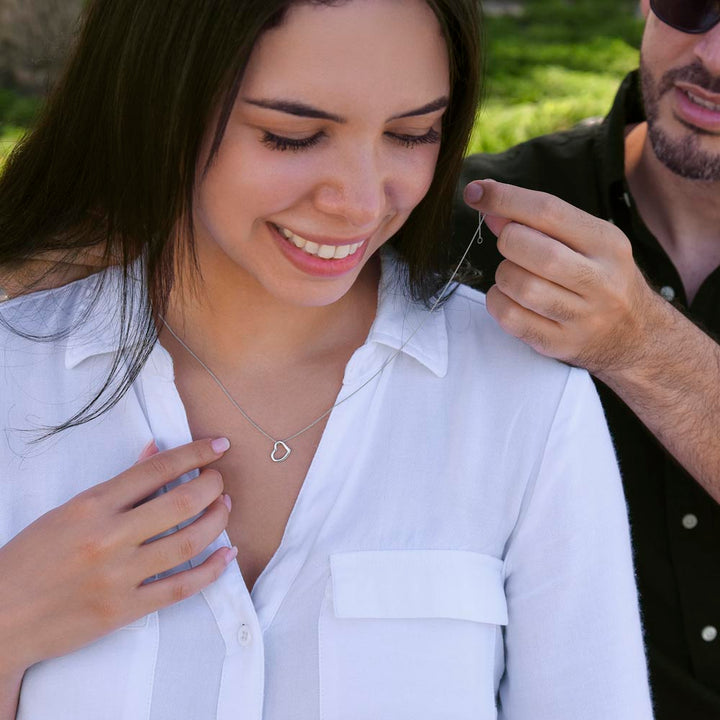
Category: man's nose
<point>707,50</point>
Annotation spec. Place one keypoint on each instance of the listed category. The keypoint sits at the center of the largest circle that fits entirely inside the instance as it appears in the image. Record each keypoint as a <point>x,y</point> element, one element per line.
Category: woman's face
<point>331,143</point>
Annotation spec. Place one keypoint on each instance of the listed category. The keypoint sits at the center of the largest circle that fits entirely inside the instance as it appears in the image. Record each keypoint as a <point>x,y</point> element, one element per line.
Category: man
<point>640,315</point>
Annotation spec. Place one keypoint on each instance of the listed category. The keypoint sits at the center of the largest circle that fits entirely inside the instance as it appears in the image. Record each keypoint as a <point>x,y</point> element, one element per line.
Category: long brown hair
<point>112,161</point>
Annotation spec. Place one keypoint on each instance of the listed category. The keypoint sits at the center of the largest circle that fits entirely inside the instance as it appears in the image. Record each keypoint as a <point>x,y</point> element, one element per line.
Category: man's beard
<point>683,156</point>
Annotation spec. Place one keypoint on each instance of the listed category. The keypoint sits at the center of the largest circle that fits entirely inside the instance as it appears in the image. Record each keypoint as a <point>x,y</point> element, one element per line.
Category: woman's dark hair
<point>113,160</point>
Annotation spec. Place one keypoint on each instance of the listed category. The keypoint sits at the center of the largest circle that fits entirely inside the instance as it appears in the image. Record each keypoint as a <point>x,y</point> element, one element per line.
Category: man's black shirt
<point>675,523</point>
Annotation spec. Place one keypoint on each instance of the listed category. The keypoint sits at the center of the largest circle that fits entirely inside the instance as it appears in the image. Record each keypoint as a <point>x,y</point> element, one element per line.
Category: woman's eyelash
<point>278,142</point>
<point>430,137</point>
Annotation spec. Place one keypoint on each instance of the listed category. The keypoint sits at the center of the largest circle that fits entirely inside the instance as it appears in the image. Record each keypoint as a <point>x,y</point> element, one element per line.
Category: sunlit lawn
<point>558,63</point>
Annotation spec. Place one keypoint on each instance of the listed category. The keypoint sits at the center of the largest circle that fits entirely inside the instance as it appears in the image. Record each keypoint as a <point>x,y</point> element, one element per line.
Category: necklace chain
<point>281,450</point>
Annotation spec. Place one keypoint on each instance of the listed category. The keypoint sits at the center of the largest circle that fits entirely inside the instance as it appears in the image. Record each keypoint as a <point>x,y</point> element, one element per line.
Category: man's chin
<point>685,156</point>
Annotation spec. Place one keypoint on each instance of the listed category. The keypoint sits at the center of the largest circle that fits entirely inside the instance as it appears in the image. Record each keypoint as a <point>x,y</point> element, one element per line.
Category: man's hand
<point>568,286</point>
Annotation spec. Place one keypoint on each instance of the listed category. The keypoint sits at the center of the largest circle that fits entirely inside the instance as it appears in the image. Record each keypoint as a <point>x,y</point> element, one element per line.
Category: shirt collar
<point>96,312</point>
<point>627,110</point>
<point>400,322</point>
<point>403,323</point>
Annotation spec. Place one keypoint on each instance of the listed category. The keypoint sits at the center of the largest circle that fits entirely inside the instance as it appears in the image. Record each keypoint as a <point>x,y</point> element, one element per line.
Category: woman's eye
<point>431,137</point>
<point>278,142</point>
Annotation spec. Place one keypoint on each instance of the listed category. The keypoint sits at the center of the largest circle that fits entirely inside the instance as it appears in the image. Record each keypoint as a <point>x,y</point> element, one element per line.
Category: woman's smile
<point>330,251</point>
<point>320,256</point>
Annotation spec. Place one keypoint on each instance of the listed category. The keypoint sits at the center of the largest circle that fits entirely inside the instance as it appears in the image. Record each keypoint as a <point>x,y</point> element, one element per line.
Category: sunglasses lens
<point>690,16</point>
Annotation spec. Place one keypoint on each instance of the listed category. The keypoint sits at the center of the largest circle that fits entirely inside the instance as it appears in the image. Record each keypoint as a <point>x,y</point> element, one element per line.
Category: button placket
<point>244,635</point>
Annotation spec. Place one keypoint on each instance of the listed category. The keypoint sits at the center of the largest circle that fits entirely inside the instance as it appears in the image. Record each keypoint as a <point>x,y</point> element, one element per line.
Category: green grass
<point>557,64</point>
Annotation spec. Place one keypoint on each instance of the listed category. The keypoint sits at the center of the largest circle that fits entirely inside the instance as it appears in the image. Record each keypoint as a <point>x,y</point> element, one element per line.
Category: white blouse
<point>459,549</point>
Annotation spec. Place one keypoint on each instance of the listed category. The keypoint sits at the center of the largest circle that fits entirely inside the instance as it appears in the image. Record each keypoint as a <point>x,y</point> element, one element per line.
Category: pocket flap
<point>451,584</point>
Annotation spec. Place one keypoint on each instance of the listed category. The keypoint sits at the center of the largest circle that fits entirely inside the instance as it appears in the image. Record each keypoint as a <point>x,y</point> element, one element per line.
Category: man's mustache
<point>695,74</point>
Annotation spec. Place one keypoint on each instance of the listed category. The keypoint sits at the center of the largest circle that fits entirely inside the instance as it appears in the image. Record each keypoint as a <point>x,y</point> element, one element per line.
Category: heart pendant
<point>281,447</point>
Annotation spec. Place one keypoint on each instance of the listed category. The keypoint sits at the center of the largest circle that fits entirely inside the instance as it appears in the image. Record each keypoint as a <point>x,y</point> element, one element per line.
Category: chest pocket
<point>411,635</point>
<point>111,678</point>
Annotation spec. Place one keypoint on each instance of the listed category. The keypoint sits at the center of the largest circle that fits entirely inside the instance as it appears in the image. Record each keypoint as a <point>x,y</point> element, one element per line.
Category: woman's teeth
<point>327,252</point>
<point>703,103</point>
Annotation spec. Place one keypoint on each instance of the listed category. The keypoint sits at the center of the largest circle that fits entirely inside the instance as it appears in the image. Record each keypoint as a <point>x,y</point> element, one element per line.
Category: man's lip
<point>324,240</point>
<point>699,92</point>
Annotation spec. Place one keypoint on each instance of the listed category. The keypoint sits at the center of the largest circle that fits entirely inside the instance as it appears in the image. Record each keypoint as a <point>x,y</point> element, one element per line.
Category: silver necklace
<point>281,450</point>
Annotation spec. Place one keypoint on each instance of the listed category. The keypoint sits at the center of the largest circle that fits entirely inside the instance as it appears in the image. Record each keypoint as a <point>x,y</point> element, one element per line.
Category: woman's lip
<point>694,115</point>
<point>315,265</point>
<point>323,240</point>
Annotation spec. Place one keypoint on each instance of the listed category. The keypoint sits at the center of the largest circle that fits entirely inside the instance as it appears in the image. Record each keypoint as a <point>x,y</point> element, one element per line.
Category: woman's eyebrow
<point>440,104</point>
<point>292,107</point>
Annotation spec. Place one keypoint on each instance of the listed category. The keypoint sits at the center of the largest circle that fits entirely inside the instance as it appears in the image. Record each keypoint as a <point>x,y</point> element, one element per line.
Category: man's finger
<point>538,332</point>
<point>537,294</point>
<point>548,258</point>
<point>575,228</point>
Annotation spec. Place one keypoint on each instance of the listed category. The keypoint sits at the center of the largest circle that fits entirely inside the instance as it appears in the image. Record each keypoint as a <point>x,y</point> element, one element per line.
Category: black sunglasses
<point>688,16</point>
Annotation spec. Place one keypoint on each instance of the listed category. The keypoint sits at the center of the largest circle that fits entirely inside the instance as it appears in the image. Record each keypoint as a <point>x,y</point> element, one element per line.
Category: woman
<point>403,514</point>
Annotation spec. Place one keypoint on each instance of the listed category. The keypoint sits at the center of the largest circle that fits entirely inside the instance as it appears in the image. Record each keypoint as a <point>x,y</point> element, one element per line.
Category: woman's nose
<point>356,191</point>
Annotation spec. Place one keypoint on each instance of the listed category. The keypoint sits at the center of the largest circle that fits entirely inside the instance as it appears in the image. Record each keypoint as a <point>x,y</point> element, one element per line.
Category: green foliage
<point>9,135</point>
<point>557,64</point>
<point>17,109</point>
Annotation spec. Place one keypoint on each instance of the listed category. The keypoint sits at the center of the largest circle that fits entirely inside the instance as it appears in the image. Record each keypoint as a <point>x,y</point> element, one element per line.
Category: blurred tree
<point>34,36</point>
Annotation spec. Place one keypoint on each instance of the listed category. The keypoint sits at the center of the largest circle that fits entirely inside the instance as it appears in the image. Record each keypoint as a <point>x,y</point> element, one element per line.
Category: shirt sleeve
<point>573,642</point>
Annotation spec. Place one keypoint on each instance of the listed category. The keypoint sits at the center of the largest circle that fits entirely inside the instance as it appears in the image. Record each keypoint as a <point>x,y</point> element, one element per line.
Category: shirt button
<point>244,635</point>
<point>668,293</point>
<point>709,633</point>
<point>689,521</point>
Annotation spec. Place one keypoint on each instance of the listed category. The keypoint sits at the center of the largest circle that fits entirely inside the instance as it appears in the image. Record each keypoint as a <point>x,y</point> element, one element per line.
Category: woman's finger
<point>177,548</point>
<point>147,476</point>
<point>182,585</point>
<point>174,507</point>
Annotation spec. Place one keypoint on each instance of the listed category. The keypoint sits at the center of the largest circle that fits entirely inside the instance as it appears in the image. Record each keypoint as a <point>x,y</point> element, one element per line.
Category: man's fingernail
<point>220,445</point>
<point>473,192</point>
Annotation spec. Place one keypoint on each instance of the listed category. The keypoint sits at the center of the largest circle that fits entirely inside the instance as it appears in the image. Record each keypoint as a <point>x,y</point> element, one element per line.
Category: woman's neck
<point>231,319</point>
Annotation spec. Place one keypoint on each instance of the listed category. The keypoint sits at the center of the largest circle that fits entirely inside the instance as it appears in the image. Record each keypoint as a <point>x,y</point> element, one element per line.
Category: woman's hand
<point>77,572</point>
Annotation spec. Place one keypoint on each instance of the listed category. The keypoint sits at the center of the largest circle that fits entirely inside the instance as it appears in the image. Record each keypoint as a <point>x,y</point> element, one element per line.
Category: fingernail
<point>228,502</point>
<point>231,555</point>
<point>473,192</point>
<point>220,445</point>
<point>149,450</point>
